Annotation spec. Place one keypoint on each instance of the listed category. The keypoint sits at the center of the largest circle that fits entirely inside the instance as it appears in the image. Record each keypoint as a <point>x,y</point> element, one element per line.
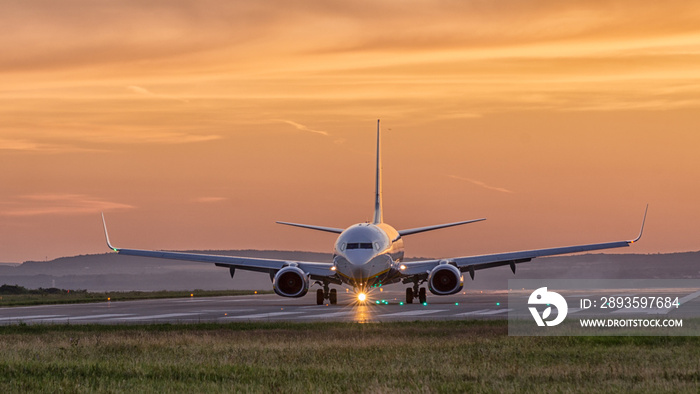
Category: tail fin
<point>378,216</point>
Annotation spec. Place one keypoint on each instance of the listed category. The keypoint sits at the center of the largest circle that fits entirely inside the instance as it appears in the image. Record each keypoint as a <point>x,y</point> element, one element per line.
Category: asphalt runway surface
<point>266,307</point>
<point>382,306</point>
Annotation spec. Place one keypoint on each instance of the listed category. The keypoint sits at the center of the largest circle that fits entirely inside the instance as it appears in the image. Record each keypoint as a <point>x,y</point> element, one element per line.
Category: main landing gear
<point>326,294</point>
<point>415,292</point>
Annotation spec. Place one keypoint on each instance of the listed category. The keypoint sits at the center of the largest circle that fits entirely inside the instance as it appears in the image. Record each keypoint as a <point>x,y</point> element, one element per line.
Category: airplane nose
<point>363,266</point>
<point>355,265</point>
<point>358,260</point>
<point>358,267</point>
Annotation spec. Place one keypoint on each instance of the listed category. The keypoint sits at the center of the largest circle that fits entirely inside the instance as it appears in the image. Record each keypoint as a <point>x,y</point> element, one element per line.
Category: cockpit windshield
<point>362,239</point>
<point>359,245</point>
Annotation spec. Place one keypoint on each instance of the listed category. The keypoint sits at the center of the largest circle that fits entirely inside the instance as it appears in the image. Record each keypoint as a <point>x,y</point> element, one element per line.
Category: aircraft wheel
<point>422,296</point>
<point>319,297</point>
<point>334,297</point>
<point>409,295</point>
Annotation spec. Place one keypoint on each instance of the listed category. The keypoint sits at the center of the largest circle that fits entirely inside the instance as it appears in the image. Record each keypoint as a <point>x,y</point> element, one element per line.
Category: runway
<point>382,306</point>
<point>266,307</point>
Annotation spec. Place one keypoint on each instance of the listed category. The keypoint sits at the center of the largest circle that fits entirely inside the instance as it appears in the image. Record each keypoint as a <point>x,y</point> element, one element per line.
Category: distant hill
<point>111,272</point>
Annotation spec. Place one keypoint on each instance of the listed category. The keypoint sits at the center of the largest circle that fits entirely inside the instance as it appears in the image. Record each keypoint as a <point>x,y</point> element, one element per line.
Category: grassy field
<point>452,356</point>
<point>19,296</point>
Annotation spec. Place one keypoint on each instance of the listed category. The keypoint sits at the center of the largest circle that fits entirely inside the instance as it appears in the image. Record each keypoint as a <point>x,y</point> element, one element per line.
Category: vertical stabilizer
<point>378,217</point>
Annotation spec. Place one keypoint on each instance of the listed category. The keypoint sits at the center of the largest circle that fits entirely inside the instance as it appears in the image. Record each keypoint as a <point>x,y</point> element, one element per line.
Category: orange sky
<point>197,124</point>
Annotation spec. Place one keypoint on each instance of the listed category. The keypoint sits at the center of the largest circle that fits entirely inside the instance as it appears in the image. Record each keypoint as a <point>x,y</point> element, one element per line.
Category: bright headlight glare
<point>361,297</point>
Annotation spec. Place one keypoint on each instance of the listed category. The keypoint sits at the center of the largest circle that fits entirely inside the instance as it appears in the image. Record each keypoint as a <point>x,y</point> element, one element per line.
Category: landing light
<point>361,297</point>
<point>402,267</point>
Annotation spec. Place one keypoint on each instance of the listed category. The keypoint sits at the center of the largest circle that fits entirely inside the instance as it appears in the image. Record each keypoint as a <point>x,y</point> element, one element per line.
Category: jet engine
<point>291,282</point>
<point>445,279</point>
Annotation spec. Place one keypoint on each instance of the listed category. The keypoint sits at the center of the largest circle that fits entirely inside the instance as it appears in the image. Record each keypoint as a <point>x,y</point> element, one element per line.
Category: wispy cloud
<point>174,138</point>
<point>58,204</point>
<point>302,127</point>
<point>481,184</point>
<point>147,93</point>
<point>24,145</point>
<point>19,145</point>
<point>209,200</point>
<point>106,137</point>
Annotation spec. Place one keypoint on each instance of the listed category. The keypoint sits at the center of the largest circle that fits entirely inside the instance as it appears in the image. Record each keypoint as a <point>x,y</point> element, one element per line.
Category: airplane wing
<point>316,270</point>
<point>474,263</point>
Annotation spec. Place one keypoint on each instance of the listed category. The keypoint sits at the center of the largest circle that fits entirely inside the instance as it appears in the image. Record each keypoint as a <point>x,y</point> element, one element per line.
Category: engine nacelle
<point>291,282</point>
<point>445,279</point>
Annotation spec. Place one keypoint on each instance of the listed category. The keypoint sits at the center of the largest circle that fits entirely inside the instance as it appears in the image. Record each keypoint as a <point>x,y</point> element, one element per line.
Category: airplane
<point>369,255</point>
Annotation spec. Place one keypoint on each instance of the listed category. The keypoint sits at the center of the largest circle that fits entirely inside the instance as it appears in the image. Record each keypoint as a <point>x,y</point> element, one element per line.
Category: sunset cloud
<point>210,200</point>
<point>147,93</point>
<point>485,57</point>
<point>302,127</point>
<point>23,145</point>
<point>168,138</point>
<point>58,204</point>
<point>20,145</point>
<point>98,141</point>
<point>481,184</point>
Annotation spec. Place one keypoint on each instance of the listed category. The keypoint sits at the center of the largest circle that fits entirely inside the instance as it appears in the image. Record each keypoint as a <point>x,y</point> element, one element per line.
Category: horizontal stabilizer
<point>319,228</point>
<point>436,227</point>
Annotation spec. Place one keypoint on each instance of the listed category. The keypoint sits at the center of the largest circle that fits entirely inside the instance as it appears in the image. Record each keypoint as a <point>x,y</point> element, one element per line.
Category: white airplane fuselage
<point>367,254</point>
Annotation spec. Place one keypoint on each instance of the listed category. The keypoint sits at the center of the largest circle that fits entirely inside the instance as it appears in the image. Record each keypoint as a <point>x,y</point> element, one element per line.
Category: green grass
<point>61,296</point>
<point>444,356</point>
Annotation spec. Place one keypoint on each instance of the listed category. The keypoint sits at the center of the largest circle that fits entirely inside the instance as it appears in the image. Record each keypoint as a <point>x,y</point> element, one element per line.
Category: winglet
<point>104,224</point>
<point>642,230</point>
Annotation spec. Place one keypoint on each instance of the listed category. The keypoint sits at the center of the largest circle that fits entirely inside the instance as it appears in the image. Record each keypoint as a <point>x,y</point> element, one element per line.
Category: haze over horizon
<point>194,125</point>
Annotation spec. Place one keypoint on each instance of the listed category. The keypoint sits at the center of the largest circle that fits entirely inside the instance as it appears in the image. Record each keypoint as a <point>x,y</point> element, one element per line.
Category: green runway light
<point>456,303</point>
<point>401,303</point>
<point>425,304</point>
<point>498,304</point>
